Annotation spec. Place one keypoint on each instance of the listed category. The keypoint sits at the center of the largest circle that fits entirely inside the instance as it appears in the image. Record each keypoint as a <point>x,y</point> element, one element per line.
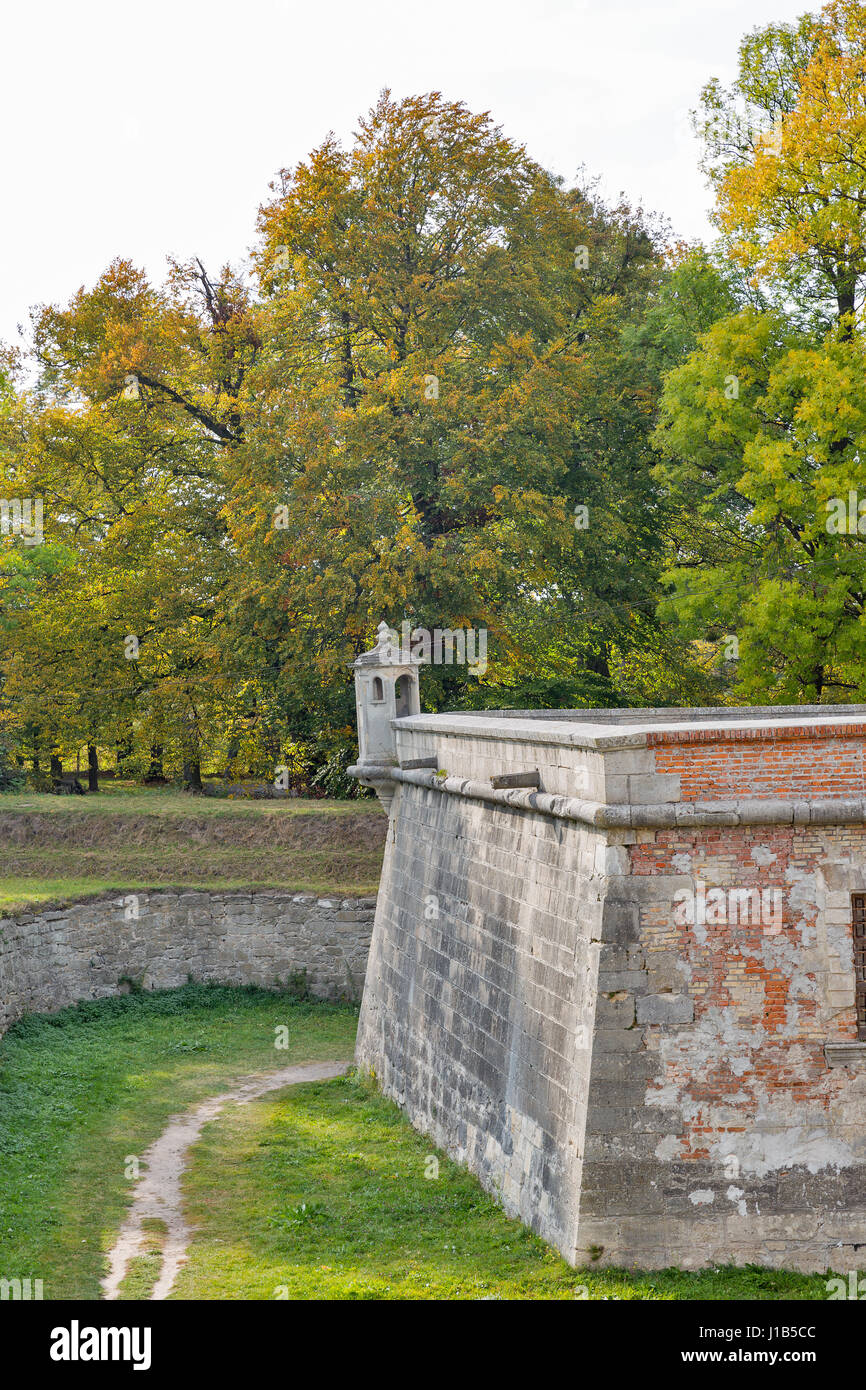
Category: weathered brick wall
<point>480,994</point>
<point>88,949</point>
<point>729,1138</point>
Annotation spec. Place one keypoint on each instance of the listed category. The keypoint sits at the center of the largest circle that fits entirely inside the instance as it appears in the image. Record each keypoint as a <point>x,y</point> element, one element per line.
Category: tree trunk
<point>92,768</point>
<point>155,772</point>
<point>598,663</point>
<point>192,776</point>
<point>123,750</point>
<point>846,300</point>
<point>233,749</point>
<point>56,766</point>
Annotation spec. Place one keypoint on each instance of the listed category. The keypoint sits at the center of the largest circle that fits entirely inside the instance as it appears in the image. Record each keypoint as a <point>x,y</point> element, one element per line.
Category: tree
<point>443,381</point>
<point>762,428</point>
<point>436,405</point>
<point>111,626</point>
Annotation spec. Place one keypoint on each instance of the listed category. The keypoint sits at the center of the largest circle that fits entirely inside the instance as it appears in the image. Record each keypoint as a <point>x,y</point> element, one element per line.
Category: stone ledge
<point>663,815</point>
<point>848,1054</point>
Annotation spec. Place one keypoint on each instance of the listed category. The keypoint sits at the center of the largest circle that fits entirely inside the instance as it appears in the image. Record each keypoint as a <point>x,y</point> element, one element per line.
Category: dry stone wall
<point>98,947</point>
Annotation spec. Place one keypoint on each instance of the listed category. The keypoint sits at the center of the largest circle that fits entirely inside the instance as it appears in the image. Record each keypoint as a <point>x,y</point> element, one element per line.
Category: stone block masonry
<point>94,948</point>
<point>626,998</point>
<point>480,995</point>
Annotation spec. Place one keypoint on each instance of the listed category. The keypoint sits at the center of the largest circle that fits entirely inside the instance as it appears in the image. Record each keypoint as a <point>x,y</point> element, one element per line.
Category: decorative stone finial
<point>384,645</point>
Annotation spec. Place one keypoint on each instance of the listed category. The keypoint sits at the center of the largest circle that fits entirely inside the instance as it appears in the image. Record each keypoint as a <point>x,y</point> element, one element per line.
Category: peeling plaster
<point>768,1151</point>
<point>735,1194</point>
<point>763,856</point>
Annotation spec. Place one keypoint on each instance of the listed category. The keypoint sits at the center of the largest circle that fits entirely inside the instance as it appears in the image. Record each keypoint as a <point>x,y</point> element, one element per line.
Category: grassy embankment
<point>55,848</point>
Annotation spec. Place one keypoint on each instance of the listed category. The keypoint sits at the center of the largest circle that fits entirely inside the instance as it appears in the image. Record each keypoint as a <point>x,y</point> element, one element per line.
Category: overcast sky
<point>152,130</point>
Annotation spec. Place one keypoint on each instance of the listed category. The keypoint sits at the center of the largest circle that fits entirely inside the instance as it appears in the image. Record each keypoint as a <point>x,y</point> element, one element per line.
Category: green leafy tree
<point>762,428</point>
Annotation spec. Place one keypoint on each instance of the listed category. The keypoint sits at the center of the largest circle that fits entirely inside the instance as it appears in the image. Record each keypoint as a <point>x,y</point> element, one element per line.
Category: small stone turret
<point>386,688</point>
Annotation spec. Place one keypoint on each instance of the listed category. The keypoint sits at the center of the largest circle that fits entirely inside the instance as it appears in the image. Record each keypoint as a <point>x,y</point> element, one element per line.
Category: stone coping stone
<point>601,729</point>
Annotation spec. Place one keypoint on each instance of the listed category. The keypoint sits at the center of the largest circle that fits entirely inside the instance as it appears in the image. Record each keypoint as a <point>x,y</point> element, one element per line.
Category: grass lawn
<point>318,1191</point>
<point>352,875</point>
<point>127,799</point>
<point>82,1090</point>
<point>56,848</point>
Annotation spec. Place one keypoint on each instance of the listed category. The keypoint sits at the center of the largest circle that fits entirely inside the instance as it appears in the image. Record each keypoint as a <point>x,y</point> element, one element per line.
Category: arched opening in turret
<point>378,690</point>
<point>403,696</point>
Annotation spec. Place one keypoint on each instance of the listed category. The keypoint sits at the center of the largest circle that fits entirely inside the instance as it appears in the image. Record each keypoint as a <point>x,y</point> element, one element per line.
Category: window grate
<point>858,914</point>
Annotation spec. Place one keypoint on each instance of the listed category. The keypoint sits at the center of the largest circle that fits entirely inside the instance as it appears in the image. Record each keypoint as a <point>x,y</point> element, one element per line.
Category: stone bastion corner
<point>616,970</point>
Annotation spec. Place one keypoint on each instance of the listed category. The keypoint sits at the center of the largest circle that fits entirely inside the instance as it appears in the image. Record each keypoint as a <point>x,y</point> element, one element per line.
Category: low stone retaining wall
<point>102,946</point>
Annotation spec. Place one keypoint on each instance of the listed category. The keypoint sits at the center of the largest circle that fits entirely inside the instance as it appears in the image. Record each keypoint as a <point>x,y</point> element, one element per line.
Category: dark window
<point>378,688</point>
<point>858,912</point>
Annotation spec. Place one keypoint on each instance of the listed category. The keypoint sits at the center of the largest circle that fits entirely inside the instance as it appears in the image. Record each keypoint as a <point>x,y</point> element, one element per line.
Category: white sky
<point>151,130</point>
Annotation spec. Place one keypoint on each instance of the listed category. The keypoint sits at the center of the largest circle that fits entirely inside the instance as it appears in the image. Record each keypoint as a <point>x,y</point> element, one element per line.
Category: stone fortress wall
<point>640,1088</point>
<point>91,949</point>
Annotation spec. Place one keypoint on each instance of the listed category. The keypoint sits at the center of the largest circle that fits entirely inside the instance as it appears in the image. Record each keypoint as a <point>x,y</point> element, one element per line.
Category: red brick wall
<point>730,763</point>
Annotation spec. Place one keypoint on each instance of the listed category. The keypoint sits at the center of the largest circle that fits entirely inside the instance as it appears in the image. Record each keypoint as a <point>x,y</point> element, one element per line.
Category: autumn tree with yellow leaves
<point>112,628</point>
<point>431,401</point>
<point>444,383</point>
